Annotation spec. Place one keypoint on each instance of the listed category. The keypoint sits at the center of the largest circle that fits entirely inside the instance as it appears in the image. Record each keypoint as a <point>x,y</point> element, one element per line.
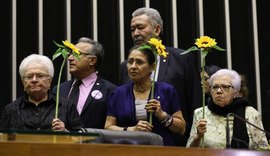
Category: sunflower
<point>205,42</point>
<point>160,48</point>
<point>71,47</point>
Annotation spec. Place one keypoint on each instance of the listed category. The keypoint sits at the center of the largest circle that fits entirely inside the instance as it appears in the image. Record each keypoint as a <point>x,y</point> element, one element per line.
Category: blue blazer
<point>182,72</point>
<point>122,107</point>
<point>94,112</point>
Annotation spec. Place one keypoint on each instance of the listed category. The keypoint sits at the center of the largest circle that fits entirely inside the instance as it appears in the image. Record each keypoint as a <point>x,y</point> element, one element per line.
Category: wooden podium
<point>63,149</point>
<point>79,145</point>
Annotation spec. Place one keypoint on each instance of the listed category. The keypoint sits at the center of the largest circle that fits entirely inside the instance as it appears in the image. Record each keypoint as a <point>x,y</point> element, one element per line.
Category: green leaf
<point>148,47</point>
<point>76,56</point>
<point>193,48</point>
<point>57,51</point>
<point>65,53</point>
<point>59,45</point>
<point>56,55</point>
<point>218,48</point>
<point>204,53</point>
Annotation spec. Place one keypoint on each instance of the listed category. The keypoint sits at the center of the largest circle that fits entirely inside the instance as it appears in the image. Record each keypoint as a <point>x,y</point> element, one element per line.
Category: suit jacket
<point>181,71</point>
<point>94,112</point>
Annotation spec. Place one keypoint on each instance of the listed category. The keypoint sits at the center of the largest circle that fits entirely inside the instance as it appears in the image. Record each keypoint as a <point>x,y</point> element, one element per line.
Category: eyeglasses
<point>38,76</point>
<point>85,53</point>
<point>222,87</point>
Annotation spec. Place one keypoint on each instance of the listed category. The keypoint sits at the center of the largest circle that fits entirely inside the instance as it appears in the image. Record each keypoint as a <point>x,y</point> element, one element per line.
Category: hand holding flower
<point>205,45</point>
<point>58,125</point>
<point>201,127</point>
<point>64,50</point>
<point>153,106</point>
<point>155,45</point>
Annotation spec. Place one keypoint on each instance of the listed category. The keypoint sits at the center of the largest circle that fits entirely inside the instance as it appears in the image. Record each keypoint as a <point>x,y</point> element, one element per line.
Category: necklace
<point>141,90</point>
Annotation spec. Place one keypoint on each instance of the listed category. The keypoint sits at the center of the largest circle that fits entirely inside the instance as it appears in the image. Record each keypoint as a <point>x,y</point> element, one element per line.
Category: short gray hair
<point>235,78</point>
<point>97,50</point>
<point>39,59</point>
<point>152,14</point>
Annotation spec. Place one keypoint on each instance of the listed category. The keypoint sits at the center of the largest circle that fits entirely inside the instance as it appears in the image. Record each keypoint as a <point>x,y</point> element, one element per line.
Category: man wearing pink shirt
<point>93,89</point>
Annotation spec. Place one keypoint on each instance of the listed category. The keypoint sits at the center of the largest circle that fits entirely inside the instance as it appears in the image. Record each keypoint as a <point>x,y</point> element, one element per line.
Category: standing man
<point>93,90</point>
<point>178,70</point>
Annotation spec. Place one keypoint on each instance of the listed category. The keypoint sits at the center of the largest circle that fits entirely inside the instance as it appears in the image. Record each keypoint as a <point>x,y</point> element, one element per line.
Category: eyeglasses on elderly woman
<point>222,87</point>
<point>38,76</point>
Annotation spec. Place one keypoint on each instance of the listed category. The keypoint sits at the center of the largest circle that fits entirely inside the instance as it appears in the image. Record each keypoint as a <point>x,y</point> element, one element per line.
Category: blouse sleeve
<point>257,137</point>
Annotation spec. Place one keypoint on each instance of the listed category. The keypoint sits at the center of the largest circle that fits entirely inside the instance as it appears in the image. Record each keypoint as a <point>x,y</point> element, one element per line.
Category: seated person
<point>225,85</point>
<point>130,105</point>
<point>35,110</point>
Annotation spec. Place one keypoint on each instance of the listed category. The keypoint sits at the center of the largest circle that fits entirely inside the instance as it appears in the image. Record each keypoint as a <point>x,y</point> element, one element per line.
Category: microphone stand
<point>228,142</point>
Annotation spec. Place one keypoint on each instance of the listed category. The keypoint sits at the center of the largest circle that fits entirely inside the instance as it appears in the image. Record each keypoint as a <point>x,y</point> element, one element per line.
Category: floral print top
<point>215,136</point>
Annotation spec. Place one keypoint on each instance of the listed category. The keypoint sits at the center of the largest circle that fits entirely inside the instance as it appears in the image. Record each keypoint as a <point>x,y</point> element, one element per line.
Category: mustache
<point>138,38</point>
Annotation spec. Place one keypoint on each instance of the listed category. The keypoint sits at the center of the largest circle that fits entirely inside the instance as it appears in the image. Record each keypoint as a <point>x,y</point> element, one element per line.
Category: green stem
<point>203,88</point>
<point>152,92</point>
<point>153,86</point>
<point>58,87</point>
<point>152,96</point>
<point>203,94</point>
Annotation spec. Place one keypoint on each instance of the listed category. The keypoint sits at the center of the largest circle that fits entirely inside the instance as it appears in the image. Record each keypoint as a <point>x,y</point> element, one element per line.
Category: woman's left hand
<point>58,125</point>
<point>153,106</point>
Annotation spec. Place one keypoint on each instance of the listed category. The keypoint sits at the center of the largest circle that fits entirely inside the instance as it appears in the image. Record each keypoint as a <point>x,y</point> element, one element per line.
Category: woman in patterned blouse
<point>225,85</point>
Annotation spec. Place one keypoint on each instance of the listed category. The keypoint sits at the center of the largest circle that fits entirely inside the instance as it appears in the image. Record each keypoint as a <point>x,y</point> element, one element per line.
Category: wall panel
<point>164,8</point>
<point>214,26</point>
<point>108,35</point>
<point>187,23</point>
<point>129,8</point>
<point>6,53</point>
<point>81,19</point>
<point>27,33</point>
<point>264,33</point>
<point>54,29</point>
<point>242,43</point>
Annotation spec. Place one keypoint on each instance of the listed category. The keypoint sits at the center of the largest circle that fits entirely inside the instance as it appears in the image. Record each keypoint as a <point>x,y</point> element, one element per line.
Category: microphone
<point>228,142</point>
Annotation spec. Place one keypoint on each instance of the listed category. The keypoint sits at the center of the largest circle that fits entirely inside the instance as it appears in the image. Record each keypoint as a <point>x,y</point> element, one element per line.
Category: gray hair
<point>152,14</point>
<point>235,78</point>
<point>38,59</point>
<point>97,50</point>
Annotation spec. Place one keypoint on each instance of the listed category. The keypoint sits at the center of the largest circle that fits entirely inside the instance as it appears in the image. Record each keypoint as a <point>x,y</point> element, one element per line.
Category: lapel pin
<point>96,94</point>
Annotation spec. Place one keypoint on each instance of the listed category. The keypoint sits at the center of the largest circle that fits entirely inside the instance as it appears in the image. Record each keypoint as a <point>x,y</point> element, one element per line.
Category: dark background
<point>54,28</point>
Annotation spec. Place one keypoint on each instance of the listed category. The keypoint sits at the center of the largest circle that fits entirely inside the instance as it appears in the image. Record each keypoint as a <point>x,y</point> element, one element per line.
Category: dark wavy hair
<point>146,51</point>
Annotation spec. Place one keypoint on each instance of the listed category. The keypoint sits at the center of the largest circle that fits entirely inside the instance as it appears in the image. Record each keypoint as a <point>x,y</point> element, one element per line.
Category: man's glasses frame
<point>82,54</point>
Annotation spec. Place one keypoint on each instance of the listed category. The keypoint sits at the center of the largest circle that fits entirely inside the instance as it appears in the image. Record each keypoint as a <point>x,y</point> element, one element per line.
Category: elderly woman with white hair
<point>35,110</point>
<point>225,85</point>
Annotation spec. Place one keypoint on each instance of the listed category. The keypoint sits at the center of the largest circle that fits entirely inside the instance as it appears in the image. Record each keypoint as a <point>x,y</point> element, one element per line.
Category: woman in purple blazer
<point>130,104</point>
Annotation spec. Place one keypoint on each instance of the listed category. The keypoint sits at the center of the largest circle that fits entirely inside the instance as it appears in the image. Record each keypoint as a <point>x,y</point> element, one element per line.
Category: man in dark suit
<point>93,89</point>
<point>178,70</point>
